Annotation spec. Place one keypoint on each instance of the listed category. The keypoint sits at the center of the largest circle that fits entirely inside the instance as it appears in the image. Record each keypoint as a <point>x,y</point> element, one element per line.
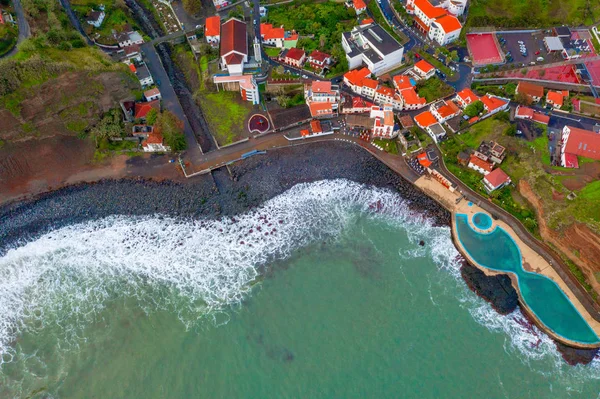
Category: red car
<point>417,55</point>
<point>537,52</point>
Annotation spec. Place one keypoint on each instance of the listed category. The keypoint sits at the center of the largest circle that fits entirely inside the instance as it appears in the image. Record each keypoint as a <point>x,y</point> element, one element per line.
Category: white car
<point>520,42</point>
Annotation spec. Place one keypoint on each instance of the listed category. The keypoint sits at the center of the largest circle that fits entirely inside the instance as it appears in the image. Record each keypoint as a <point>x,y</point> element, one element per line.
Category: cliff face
<point>578,242</point>
<point>65,105</point>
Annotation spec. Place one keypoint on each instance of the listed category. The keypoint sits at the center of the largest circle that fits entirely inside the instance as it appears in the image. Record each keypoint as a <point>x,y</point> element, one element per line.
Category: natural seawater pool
<point>482,221</point>
<point>497,251</point>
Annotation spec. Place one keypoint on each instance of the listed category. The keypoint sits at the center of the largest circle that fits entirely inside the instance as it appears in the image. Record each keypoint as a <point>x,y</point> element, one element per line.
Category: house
<point>132,52</point>
<point>359,81</point>
<point>321,110</point>
<point>212,30</point>
<point>427,121</point>
<point>463,158</point>
<point>536,92</point>
<point>155,143</point>
<point>556,98</point>
<point>402,82</point>
<point>220,4</point>
<point>125,39</point>
<point>480,165</point>
<point>322,91</point>
<point>315,127</point>
<point>234,46</point>
<point>144,76</point>
<point>319,60</point>
<point>466,97</point>
<point>152,94</point>
<point>424,69</point>
<point>492,151</point>
<point>411,99</point>
<point>359,6</point>
<point>140,110</point>
<point>436,22</point>
<point>577,142</point>
<point>373,46</point>
<point>367,21</point>
<point>95,18</point>
<point>494,104</point>
<point>406,121</point>
<point>277,37</point>
<point>495,180</point>
<point>295,57</point>
<point>386,95</point>
<point>355,105</point>
<point>444,110</point>
<point>527,113</point>
<point>383,125</point>
<point>245,84</point>
<point>454,7</point>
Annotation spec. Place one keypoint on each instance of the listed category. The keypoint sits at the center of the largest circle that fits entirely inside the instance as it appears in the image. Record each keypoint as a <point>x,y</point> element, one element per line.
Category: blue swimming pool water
<point>470,203</point>
<point>482,221</point>
<point>498,251</point>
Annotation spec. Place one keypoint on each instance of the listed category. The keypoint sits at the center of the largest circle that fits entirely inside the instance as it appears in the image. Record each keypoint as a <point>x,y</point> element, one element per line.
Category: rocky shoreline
<point>234,190</point>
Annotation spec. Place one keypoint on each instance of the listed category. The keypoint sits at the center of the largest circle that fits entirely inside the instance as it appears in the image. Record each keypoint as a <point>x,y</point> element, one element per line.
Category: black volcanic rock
<point>575,356</point>
<point>497,290</point>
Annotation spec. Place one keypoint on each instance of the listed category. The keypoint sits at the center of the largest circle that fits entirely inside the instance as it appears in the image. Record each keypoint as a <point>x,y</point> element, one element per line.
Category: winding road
<point>24,29</point>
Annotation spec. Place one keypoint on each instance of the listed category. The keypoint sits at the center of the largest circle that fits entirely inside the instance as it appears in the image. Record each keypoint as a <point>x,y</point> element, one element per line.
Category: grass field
<point>226,113</point>
<point>8,37</point>
<point>115,19</point>
<point>533,13</point>
<point>433,88</point>
<point>390,146</point>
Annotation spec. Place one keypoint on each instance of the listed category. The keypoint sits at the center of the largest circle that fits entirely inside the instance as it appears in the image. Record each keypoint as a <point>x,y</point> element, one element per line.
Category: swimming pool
<point>497,251</point>
<point>482,221</point>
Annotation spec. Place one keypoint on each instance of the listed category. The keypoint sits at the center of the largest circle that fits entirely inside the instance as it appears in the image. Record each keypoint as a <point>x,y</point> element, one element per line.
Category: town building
<point>383,125</point>
<point>556,98</point>
<point>466,97</point>
<point>131,53</point>
<point>359,5</point>
<point>577,142</point>
<point>427,121</point>
<point>95,18</point>
<point>220,4</point>
<point>294,56</point>
<point>360,82</point>
<point>527,113</point>
<point>155,143</point>
<point>277,37</point>
<point>480,165</point>
<point>424,69</point>
<point>491,151</point>
<point>411,100</point>
<point>322,91</point>
<point>319,60</point>
<point>234,46</point>
<point>143,75</point>
<point>355,105</point>
<point>125,39</point>
<point>152,94</point>
<point>444,110</point>
<point>246,84</point>
<point>372,46</point>
<point>435,21</point>
<point>140,110</point>
<point>367,21</point>
<point>386,95</point>
<point>494,104</point>
<point>536,92</point>
<point>212,30</point>
<point>495,180</point>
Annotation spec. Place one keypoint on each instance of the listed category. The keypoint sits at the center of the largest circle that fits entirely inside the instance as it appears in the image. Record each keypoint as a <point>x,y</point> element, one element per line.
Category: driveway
<point>24,30</point>
<point>169,98</point>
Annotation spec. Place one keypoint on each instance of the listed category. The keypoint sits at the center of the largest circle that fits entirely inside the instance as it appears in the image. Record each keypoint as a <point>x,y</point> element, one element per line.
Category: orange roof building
<point>536,92</point>
<point>424,68</point>
<point>425,119</point>
<point>480,165</point>
<point>411,99</point>
<point>212,27</point>
<point>466,97</point>
<point>320,109</point>
<point>356,76</point>
<point>493,104</point>
<point>315,126</point>
<point>556,98</point>
<point>359,5</point>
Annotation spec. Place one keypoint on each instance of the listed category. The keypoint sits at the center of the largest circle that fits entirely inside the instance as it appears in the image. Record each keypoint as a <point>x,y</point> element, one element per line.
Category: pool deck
<point>532,261</point>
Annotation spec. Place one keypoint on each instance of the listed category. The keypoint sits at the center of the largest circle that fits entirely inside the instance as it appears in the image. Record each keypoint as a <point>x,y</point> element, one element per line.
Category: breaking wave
<point>198,268</point>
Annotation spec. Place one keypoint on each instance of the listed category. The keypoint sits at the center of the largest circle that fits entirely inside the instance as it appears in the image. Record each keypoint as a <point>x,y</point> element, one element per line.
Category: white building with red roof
<point>495,180</point>
<point>556,98</point>
<point>360,82</point>
<point>494,104</point>
<point>383,124</point>
<point>359,5</point>
<point>212,30</point>
<point>480,165</point>
<point>445,29</point>
<point>322,98</point>
<point>436,22</point>
<point>294,57</point>
<point>318,60</point>
<point>246,84</point>
<point>577,142</point>
<point>466,97</point>
<point>355,105</point>
<point>234,46</point>
<point>444,110</point>
<point>386,95</point>
<point>411,100</point>
<point>424,69</point>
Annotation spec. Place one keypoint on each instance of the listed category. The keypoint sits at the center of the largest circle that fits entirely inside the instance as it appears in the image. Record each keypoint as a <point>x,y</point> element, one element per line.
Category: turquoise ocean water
<point>323,292</point>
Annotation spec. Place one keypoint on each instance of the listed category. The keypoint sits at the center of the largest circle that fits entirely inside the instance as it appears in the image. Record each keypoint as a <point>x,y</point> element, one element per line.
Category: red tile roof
<point>212,26</point>
<point>142,109</point>
<point>321,86</point>
<point>385,91</point>
<point>315,126</point>
<point>319,56</point>
<point>491,103</point>
<point>234,37</point>
<point>320,108</point>
<point>571,161</point>
<point>411,97</point>
<point>541,118</point>
<point>356,76</point>
<point>531,89</point>
<point>295,54</point>
<point>449,108</point>
<point>468,96</point>
<point>358,102</point>
<point>367,21</point>
<point>132,68</point>
<point>370,83</point>
<point>424,66</point>
<point>151,92</point>
<point>555,97</point>
<point>584,143</point>
<point>132,49</point>
<point>429,10</point>
<point>449,23</point>
<point>525,112</point>
<point>475,160</point>
<point>233,59</point>
<point>425,119</point>
<point>359,4</point>
<point>268,32</point>
<point>497,178</point>
<point>402,82</point>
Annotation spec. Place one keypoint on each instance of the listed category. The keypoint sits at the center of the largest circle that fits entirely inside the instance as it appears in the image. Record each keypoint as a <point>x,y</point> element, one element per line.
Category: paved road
<point>169,98</point>
<point>74,20</point>
<point>24,30</point>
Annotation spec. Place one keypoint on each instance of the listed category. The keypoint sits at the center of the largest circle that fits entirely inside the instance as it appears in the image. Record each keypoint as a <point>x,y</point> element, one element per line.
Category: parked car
<point>539,59</point>
<point>537,52</point>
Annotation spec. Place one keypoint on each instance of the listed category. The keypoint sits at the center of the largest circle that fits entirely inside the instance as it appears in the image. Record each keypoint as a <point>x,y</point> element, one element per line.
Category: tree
<point>511,130</point>
<point>474,109</point>
<point>322,41</point>
<point>523,99</point>
<point>172,130</point>
<point>283,101</point>
<point>192,6</point>
<point>151,116</point>
<point>110,126</point>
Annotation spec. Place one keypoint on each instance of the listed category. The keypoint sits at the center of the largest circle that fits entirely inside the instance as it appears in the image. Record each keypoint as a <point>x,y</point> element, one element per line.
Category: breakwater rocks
<point>224,192</point>
<point>497,290</point>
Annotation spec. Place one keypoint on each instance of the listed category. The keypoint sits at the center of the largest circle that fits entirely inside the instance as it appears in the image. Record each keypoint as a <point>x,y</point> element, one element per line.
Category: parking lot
<point>534,43</point>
